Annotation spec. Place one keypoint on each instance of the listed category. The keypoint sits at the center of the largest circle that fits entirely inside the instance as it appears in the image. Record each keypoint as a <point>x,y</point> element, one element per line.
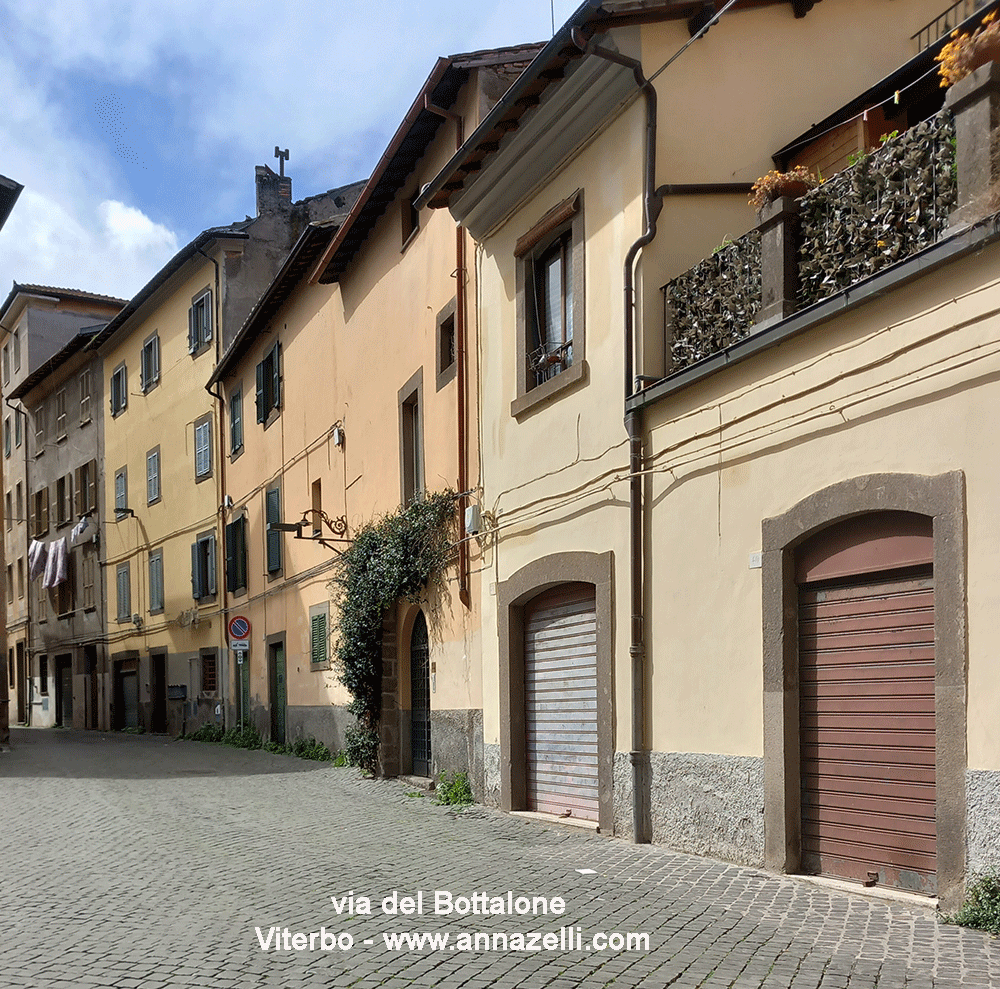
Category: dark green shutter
<point>276,375</point>
<point>231,584</point>
<point>318,652</point>
<point>261,398</point>
<point>196,591</point>
<point>273,514</point>
<point>241,552</point>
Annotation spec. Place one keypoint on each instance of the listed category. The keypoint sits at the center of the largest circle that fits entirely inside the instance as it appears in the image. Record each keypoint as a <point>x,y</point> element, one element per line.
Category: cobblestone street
<point>140,861</point>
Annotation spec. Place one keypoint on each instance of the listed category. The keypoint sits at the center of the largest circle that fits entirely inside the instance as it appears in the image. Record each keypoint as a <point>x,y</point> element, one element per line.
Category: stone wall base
<point>982,820</point>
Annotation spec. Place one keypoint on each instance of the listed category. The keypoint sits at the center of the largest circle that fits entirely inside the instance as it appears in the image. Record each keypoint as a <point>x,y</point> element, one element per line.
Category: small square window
<point>200,323</point>
<point>149,372</point>
<point>119,389</point>
<point>203,448</point>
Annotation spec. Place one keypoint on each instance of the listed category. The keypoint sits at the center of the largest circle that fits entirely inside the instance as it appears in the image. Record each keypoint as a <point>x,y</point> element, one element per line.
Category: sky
<point>135,125</point>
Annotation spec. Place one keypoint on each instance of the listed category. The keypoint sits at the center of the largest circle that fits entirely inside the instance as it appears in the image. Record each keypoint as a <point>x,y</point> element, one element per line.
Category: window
<point>156,581</point>
<point>269,383</point>
<point>86,488</point>
<point>236,421</point>
<point>85,390</point>
<point>446,362</point>
<point>550,307</point>
<point>10,585</point>
<point>40,430</point>
<point>43,674</point>
<point>209,672</point>
<point>124,584</point>
<point>6,363</point>
<point>64,499</point>
<point>317,507</point>
<point>17,349</point>
<point>319,615</point>
<point>119,389</point>
<point>121,493</point>
<point>8,505</point>
<point>153,476</point>
<point>203,567</point>
<point>64,598</point>
<point>200,323</point>
<point>203,448</point>
<point>19,502</point>
<point>40,512</point>
<point>89,567</point>
<point>61,414</point>
<point>236,555</point>
<point>18,429</point>
<point>410,217</point>
<point>272,513</point>
<point>6,437</point>
<point>20,577</point>
<point>149,371</point>
<point>411,444</point>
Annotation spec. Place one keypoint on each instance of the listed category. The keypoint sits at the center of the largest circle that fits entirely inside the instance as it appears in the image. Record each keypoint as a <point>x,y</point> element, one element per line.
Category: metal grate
<point>420,698</point>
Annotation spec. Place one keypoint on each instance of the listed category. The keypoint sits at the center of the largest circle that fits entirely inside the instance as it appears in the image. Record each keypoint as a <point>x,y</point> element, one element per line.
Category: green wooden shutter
<point>261,400</point>
<point>231,584</point>
<point>273,514</point>
<point>318,651</point>
<point>196,589</point>
<point>276,375</point>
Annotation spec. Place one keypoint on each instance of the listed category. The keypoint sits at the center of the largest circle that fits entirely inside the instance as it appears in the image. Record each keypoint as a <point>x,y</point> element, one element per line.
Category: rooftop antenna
<point>552,8</point>
<point>282,157</point>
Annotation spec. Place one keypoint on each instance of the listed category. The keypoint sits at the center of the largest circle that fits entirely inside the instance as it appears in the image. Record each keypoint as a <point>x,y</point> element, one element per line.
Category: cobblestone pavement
<point>143,862</point>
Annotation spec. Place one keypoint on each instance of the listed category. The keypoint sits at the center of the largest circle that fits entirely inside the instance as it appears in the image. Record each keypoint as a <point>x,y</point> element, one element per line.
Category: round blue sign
<point>239,628</point>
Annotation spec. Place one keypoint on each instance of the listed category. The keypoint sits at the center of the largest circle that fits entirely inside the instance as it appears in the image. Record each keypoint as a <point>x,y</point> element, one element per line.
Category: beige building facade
<point>44,331</point>
<point>355,383</point>
<point>646,631</point>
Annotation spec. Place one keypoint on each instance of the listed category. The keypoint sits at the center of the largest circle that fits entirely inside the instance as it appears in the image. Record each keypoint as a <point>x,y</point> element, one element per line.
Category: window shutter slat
<point>231,584</point>
<point>273,514</point>
<point>195,573</point>
<point>261,400</point>
<point>92,486</point>
<point>206,307</point>
<point>211,564</point>
<point>277,375</point>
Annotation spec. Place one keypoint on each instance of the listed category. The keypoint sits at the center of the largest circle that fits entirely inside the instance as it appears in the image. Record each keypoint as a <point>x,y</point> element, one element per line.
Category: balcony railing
<point>947,22</point>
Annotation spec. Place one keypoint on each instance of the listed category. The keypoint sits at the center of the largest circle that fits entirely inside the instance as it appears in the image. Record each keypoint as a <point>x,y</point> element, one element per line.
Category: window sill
<point>236,454</point>
<point>198,478</point>
<point>410,238</point>
<point>272,416</point>
<point>86,422</point>
<point>446,375</point>
<point>547,390</point>
<point>204,602</point>
<point>61,438</point>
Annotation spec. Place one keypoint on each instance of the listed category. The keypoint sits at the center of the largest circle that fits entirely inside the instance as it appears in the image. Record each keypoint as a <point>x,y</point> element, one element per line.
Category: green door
<point>279,692</point>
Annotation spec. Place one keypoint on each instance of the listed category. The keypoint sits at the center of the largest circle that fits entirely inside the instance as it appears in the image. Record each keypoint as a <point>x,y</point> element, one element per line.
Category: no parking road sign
<point>239,628</point>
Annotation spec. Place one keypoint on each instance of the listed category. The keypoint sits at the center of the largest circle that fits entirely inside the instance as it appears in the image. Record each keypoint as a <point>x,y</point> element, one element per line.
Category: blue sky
<point>133,126</point>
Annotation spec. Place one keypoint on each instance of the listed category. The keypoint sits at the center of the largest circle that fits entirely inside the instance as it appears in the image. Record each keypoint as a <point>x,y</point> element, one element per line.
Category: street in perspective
<point>141,861</point>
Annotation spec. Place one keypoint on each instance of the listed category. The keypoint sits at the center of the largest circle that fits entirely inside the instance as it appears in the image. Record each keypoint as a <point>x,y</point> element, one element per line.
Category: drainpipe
<point>460,355</point>
<point>27,582</point>
<point>652,205</point>
<point>220,493</point>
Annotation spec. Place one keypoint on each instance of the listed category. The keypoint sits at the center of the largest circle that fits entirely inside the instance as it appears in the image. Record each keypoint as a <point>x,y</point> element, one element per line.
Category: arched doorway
<point>420,697</point>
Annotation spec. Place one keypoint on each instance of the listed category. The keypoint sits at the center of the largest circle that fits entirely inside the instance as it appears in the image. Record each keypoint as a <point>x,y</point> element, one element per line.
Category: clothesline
<point>50,561</point>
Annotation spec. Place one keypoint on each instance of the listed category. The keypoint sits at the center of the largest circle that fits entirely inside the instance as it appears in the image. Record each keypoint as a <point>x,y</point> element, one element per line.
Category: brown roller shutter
<point>867,731</point>
<point>560,673</point>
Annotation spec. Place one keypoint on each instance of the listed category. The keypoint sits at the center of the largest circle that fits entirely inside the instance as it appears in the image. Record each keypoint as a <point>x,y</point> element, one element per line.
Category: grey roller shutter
<point>560,666</point>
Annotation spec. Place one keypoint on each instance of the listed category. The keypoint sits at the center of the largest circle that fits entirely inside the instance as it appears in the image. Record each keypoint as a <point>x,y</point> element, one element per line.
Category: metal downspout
<point>652,205</point>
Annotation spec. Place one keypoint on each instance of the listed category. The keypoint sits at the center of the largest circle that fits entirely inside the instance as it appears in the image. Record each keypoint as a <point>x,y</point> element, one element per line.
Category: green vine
<point>392,557</point>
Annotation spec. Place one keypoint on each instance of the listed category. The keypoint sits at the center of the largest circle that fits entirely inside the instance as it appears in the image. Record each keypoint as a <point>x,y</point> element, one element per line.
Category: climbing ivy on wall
<point>396,556</point>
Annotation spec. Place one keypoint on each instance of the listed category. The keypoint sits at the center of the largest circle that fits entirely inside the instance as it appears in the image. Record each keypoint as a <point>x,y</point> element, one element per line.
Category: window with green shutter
<point>318,617</point>
<point>236,555</point>
<point>269,383</point>
<point>273,514</point>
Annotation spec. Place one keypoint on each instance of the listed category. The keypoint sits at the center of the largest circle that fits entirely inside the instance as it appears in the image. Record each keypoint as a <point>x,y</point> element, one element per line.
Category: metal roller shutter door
<point>560,665</point>
<point>867,729</point>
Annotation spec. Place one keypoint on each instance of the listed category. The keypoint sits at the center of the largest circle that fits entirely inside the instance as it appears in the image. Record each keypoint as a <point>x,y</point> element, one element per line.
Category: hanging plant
<point>796,182</point>
<point>396,556</point>
<point>964,53</point>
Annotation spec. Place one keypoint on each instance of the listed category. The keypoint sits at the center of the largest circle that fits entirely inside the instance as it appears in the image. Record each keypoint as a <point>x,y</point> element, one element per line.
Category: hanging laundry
<point>79,528</point>
<point>57,565</point>
<point>37,554</point>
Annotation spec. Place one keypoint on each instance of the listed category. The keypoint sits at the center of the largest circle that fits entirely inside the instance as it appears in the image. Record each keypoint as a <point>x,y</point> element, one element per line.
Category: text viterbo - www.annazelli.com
<point>565,939</point>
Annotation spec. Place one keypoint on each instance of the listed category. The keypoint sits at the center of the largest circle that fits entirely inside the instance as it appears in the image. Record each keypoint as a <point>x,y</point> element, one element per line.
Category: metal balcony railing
<point>946,22</point>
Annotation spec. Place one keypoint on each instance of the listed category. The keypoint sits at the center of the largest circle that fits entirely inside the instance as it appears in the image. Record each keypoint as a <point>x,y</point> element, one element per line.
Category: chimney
<point>274,192</point>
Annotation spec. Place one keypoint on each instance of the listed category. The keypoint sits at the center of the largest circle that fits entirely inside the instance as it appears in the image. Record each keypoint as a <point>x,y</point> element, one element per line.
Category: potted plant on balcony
<point>796,182</point>
<point>965,53</point>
